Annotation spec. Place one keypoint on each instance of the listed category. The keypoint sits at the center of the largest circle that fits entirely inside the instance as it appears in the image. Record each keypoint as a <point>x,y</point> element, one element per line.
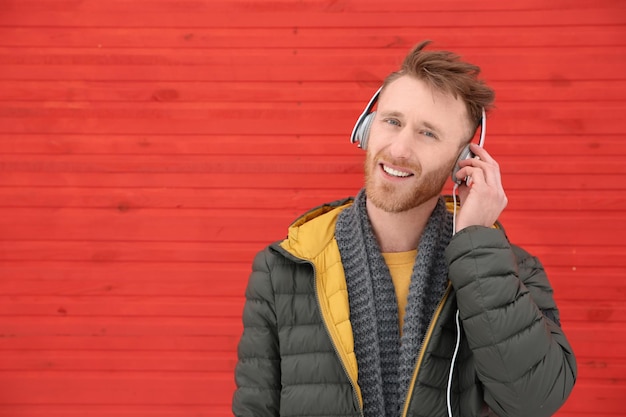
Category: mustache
<point>403,163</point>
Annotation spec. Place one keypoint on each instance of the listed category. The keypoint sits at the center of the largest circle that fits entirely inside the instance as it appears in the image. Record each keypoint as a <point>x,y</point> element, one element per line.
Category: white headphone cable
<point>456,351</point>
<point>456,187</point>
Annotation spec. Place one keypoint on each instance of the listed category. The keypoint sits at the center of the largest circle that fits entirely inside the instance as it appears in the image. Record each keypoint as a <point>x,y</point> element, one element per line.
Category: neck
<point>400,232</point>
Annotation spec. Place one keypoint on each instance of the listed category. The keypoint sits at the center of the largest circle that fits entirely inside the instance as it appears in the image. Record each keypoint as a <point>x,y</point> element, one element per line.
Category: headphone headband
<point>483,128</point>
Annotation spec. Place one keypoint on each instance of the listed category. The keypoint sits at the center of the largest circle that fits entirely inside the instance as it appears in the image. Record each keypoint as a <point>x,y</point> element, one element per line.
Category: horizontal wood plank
<point>183,198</point>
<point>358,65</point>
<point>243,6</point>
<point>219,255</point>
<point>286,146</point>
<point>59,270</point>
<point>155,388</point>
<point>146,290</point>
<point>144,334</point>
<point>334,183</point>
<point>308,37</point>
<point>263,165</point>
<point>120,361</point>
<point>124,410</point>
<point>250,226</point>
<point>314,119</point>
<point>268,16</point>
<point>195,362</point>
<point>288,93</point>
<point>168,305</point>
<point>199,343</point>
<point>111,306</point>
<point>123,327</point>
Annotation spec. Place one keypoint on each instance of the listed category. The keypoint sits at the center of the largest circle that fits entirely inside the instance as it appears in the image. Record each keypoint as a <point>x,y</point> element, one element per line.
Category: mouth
<point>396,173</point>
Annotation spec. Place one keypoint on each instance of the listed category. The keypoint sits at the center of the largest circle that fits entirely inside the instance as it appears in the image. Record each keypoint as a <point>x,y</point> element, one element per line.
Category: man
<point>391,305</point>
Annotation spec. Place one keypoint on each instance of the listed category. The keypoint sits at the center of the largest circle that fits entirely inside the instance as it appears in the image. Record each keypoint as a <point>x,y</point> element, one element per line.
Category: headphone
<point>361,132</point>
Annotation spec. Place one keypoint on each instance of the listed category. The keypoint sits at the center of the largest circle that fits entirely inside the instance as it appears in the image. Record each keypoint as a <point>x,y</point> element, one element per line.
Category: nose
<point>401,145</point>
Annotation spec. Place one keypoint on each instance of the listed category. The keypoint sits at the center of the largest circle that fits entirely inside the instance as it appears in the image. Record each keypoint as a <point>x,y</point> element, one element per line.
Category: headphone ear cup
<point>465,154</point>
<point>363,131</point>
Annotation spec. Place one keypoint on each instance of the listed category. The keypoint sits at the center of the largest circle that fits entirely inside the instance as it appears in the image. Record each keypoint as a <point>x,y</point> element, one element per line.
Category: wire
<point>456,187</point>
<point>456,351</point>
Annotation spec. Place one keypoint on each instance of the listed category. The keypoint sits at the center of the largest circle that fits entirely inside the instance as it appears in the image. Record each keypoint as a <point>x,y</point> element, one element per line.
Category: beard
<point>397,198</point>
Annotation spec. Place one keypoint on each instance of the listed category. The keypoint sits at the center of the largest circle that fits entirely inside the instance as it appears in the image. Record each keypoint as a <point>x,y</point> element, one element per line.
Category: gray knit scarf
<point>385,361</point>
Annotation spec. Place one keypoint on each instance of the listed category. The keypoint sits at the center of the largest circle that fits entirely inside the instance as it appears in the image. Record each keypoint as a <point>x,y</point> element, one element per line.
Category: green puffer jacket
<point>296,354</point>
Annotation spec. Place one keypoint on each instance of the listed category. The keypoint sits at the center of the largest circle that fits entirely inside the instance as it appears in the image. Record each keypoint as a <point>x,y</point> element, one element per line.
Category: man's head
<point>427,111</point>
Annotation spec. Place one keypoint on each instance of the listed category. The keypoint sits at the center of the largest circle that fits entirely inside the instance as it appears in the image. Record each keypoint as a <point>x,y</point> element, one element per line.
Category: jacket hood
<point>314,230</point>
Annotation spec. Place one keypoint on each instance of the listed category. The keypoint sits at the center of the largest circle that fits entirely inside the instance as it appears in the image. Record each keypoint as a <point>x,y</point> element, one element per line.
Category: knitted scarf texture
<point>385,360</point>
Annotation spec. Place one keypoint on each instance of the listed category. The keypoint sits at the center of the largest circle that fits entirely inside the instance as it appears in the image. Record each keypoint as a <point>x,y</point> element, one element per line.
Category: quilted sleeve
<point>511,322</point>
<point>257,374</point>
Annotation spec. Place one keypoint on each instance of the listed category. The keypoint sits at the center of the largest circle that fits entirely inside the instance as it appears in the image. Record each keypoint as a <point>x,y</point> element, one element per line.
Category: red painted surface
<point>149,148</point>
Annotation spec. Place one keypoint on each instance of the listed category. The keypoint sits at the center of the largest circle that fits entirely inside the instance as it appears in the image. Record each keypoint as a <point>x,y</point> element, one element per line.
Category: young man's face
<point>414,141</point>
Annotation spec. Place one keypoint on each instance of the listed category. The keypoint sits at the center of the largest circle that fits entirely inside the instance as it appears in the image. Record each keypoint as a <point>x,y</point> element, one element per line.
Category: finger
<point>475,173</point>
<point>481,153</point>
<point>463,193</point>
<point>474,165</point>
<point>490,168</point>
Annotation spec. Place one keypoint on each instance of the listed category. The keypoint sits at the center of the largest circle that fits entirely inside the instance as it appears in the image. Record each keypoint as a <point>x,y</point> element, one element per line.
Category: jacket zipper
<point>332,341</point>
<point>425,341</point>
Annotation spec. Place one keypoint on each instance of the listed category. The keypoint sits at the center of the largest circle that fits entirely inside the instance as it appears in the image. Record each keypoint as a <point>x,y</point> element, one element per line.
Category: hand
<point>483,198</point>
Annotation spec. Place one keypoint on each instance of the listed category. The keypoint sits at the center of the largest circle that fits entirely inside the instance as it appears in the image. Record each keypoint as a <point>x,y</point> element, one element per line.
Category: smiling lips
<point>394,172</point>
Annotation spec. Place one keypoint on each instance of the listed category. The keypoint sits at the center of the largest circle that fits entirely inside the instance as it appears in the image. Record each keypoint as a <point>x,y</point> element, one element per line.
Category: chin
<point>395,203</point>
<point>394,199</point>
<point>390,199</point>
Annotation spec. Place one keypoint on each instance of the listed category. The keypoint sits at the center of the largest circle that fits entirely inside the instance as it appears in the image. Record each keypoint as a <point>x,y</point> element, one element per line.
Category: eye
<point>429,134</point>
<point>393,122</point>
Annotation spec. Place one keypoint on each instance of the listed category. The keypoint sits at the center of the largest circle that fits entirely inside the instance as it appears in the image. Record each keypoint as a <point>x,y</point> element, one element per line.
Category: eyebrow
<point>392,114</point>
<point>431,127</point>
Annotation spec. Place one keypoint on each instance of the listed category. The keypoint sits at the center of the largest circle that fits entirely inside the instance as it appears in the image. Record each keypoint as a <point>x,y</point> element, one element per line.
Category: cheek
<point>369,161</point>
<point>373,141</point>
<point>451,162</point>
<point>443,160</point>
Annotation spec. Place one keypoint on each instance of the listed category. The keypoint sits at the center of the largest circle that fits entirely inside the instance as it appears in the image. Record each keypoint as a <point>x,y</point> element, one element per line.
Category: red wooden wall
<point>148,148</point>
